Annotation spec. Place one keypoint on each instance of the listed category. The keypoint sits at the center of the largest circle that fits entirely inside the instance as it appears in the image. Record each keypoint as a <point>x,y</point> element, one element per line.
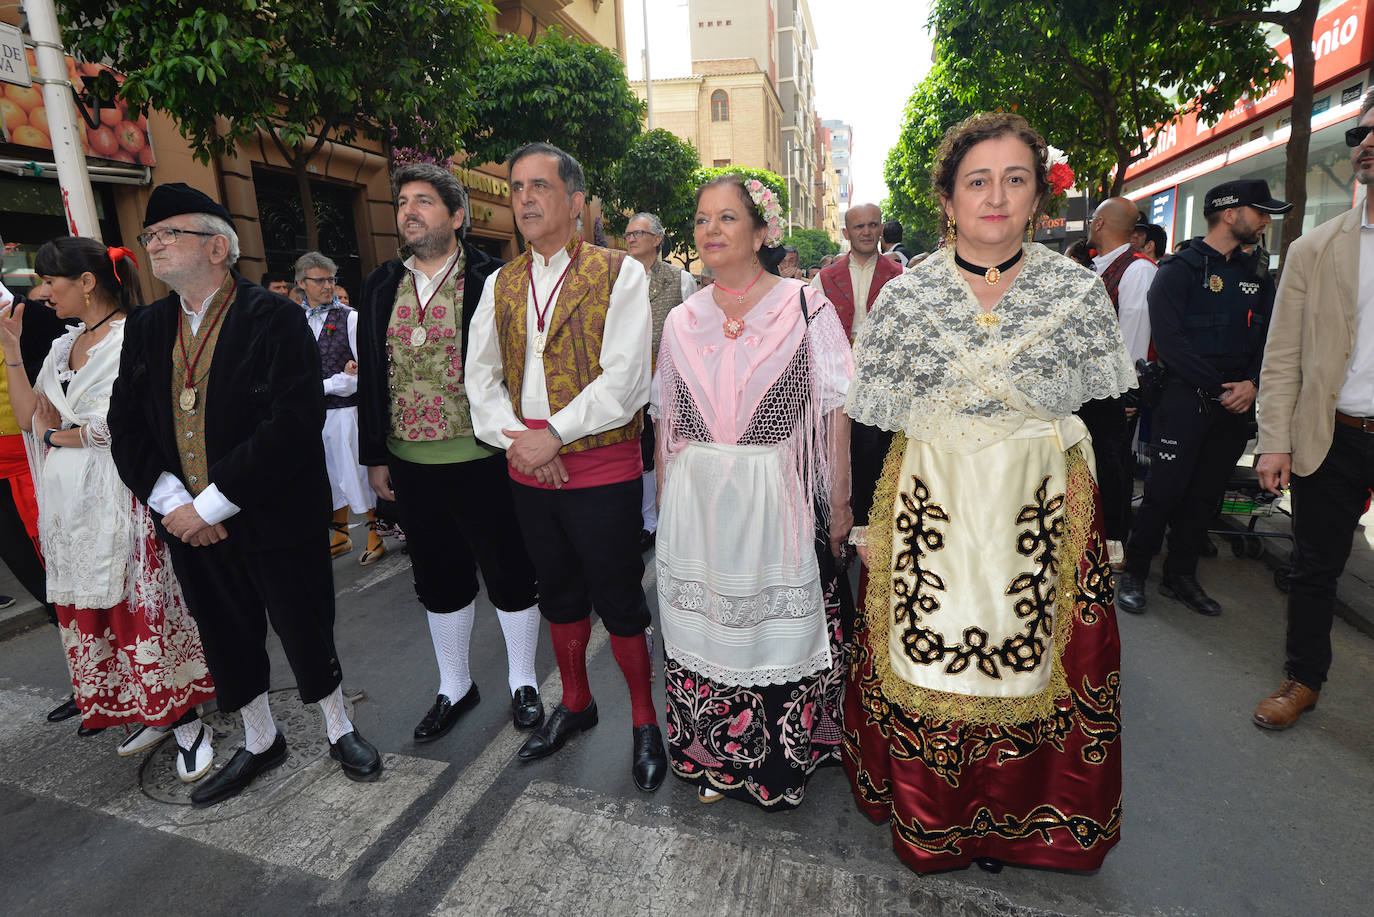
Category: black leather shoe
<point>444,714</point>
<point>646,540</point>
<point>650,761</point>
<point>988,864</point>
<point>234,777</point>
<point>1186,588</point>
<point>526,709</point>
<point>553,735</point>
<point>1130,593</point>
<point>87,731</point>
<point>357,756</point>
<point>68,710</point>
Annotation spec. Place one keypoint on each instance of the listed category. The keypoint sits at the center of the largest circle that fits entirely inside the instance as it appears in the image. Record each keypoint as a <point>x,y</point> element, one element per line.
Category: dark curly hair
<point>972,131</point>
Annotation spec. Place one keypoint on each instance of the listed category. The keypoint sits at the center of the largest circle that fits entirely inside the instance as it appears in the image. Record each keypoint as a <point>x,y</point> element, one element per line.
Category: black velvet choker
<point>990,274</point>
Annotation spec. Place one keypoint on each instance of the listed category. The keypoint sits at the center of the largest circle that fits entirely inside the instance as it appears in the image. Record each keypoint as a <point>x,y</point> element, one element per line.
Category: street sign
<point>14,66</point>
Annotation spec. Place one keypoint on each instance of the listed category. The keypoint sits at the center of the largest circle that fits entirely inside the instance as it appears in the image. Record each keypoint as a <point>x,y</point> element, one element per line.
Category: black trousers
<point>1196,446</point>
<point>1327,506</point>
<point>232,594</point>
<point>18,552</point>
<point>1111,435</point>
<point>457,518</point>
<point>585,547</point>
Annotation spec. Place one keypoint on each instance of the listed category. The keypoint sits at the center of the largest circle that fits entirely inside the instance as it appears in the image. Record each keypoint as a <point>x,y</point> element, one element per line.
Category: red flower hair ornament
<point>1060,178</point>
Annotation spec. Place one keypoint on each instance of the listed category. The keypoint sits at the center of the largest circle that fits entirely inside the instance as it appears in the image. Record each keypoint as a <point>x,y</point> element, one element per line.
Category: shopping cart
<point>1245,498</point>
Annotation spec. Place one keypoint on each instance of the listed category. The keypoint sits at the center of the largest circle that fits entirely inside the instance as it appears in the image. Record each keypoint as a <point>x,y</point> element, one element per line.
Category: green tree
<point>656,175</point>
<point>1299,24</point>
<point>299,73</point>
<point>1091,76</point>
<point>811,245</point>
<point>573,95</point>
<point>934,107</point>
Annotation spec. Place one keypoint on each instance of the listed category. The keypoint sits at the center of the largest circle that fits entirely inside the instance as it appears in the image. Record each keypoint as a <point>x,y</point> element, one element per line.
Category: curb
<point>21,617</point>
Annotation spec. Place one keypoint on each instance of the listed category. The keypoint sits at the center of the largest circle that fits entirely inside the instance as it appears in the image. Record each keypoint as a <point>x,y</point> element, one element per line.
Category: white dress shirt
<point>688,285</point>
<point>1133,312</point>
<point>168,492</point>
<point>1357,391</point>
<point>606,404</point>
<point>341,383</point>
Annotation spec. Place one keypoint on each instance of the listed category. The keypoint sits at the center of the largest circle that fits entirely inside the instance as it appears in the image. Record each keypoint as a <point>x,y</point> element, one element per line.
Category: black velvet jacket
<point>264,413</point>
<point>375,303</point>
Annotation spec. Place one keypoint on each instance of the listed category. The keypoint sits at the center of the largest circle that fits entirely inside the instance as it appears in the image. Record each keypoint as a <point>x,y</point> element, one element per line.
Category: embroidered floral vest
<point>190,425</point>
<point>665,292</point>
<point>428,401</point>
<point>335,353</point>
<point>572,351</point>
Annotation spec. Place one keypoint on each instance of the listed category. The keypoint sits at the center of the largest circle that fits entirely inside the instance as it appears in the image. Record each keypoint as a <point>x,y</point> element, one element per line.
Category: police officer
<point>1209,313</point>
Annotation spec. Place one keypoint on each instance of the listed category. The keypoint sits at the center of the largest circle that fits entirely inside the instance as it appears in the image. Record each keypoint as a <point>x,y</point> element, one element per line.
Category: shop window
<point>719,163</point>
<point>720,106</point>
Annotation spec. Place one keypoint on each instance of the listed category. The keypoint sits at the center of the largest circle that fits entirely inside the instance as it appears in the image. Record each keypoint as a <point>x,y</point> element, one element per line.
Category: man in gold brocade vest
<point>558,369</point>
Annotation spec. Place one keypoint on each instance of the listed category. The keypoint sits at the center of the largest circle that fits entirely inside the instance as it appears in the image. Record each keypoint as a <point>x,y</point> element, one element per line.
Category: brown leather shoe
<point>1282,708</point>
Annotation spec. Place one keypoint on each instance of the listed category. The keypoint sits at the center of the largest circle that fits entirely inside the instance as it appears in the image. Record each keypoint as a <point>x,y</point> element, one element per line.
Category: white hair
<point>655,224</point>
<point>208,222</point>
<point>314,259</point>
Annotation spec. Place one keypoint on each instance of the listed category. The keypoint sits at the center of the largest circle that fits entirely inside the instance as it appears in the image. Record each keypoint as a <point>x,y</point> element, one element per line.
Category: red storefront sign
<point>1341,44</point>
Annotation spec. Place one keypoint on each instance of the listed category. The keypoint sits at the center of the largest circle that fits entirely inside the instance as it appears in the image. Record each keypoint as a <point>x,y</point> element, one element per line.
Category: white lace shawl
<point>85,513</point>
<point>923,364</point>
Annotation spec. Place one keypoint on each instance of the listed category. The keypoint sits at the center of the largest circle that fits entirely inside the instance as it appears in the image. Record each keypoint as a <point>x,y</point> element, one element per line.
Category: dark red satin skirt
<point>1044,793</point>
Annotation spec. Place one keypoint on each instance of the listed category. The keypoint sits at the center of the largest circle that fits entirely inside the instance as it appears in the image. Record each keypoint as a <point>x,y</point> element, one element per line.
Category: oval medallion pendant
<point>187,399</point>
<point>418,336</point>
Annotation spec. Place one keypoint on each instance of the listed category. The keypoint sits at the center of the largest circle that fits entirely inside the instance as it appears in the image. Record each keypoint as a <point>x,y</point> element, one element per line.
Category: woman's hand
<point>11,327</point>
<point>45,416</point>
<point>841,521</point>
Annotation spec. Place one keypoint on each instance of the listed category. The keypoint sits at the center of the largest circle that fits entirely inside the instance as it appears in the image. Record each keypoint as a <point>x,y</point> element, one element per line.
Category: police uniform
<point>1209,315</point>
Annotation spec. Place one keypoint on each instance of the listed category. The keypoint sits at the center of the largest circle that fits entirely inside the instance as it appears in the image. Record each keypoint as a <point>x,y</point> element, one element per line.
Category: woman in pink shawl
<point>754,466</point>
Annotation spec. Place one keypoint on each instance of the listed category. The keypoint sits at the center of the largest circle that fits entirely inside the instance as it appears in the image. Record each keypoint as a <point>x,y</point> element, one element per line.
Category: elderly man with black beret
<point>216,422</point>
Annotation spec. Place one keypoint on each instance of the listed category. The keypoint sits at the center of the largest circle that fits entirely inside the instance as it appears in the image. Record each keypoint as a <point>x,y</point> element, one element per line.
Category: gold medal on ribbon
<point>1214,283</point>
<point>539,339</point>
<point>187,399</point>
<point>417,337</point>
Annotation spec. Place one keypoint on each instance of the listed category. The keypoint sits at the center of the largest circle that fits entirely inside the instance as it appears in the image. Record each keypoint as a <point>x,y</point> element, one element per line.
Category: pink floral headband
<point>767,204</point>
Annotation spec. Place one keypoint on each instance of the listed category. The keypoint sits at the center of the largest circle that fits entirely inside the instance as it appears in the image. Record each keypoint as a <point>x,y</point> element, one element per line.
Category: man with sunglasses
<point>1209,312</point>
<point>1316,421</point>
<point>215,424</point>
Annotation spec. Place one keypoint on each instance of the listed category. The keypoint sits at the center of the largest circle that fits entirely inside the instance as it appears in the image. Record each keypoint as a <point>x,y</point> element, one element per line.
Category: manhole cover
<point>306,742</point>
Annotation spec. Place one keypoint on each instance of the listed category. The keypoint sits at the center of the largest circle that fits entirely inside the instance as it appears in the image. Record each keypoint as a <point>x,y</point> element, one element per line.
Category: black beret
<point>173,198</point>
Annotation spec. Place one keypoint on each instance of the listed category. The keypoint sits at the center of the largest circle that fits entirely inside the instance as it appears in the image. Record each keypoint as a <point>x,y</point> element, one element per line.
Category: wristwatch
<point>550,428</point>
<point>47,440</point>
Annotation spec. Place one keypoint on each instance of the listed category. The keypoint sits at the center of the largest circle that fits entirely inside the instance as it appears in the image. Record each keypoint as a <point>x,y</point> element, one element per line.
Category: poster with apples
<point>118,137</point>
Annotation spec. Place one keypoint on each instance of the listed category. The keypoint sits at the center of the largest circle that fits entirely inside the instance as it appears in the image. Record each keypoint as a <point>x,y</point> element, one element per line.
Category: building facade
<point>841,137</point>
<point>349,181</point>
<point>1250,141</point>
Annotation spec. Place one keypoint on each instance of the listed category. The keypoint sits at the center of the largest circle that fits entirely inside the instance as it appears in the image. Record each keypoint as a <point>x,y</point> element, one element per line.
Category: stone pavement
<point>1221,818</point>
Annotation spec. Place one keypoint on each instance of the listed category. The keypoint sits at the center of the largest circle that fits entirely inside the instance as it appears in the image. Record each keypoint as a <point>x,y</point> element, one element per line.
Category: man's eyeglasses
<point>322,281</point>
<point>168,236</point>
<point>636,233</point>
<point>1355,136</point>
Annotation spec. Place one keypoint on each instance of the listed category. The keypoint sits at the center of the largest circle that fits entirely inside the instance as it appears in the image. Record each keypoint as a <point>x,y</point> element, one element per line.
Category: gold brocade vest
<point>665,292</point>
<point>577,326</point>
<point>428,401</point>
<point>190,425</point>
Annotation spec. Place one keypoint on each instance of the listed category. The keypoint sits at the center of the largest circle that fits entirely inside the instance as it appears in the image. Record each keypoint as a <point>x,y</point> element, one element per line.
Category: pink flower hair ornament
<point>767,204</point>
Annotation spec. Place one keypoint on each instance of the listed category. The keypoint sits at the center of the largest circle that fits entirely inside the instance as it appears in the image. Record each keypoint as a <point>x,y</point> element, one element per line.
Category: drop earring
<point>951,233</point>
<point>1030,230</point>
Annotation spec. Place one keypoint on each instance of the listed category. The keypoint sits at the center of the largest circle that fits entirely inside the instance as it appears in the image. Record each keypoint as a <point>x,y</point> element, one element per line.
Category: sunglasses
<point>1355,136</point>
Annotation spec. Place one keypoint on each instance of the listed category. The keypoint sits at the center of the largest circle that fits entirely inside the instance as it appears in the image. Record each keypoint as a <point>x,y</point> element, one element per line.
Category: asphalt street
<point>1221,818</point>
